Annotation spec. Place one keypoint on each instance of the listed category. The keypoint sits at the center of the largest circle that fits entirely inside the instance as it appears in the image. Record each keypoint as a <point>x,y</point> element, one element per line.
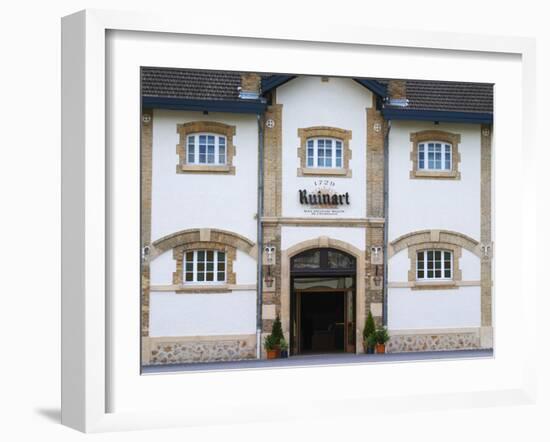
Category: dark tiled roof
<point>195,85</point>
<point>450,96</point>
<point>220,85</point>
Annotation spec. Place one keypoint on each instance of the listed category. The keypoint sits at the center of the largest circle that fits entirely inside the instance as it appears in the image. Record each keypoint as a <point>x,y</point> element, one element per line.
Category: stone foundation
<point>433,342</point>
<point>202,349</point>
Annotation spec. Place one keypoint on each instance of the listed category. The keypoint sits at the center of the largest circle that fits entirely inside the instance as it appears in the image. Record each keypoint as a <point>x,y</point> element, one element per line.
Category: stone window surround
<point>210,127</point>
<point>456,252</point>
<point>328,132</point>
<point>435,135</point>
<point>179,252</point>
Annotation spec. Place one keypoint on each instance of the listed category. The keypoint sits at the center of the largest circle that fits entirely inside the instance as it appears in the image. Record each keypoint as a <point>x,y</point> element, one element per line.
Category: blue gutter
<point>448,116</point>
<point>241,106</point>
<point>275,81</point>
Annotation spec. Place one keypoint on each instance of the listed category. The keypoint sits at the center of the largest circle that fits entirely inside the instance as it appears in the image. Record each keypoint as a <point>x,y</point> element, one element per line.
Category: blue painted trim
<point>275,81</point>
<point>448,116</point>
<point>241,106</point>
<point>373,86</point>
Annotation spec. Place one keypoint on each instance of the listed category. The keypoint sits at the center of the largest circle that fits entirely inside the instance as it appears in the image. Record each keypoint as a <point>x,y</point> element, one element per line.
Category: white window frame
<point>195,271</point>
<point>315,145</point>
<point>424,163</point>
<point>194,158</point>
<point>424,268</point>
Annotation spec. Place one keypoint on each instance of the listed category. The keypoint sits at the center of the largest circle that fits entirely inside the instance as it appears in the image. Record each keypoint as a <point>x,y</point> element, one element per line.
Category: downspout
<point>260,236</point>
<point>386,203</point>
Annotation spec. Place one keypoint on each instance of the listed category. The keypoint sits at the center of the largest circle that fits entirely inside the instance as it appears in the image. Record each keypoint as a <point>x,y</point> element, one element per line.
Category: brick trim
<point>435,135</point>
<point>211,127</point>
<point>206,235</point>
<point>146,180</point>
<point>425,236</point>
<point>485,232</point>
<point>329,132</point>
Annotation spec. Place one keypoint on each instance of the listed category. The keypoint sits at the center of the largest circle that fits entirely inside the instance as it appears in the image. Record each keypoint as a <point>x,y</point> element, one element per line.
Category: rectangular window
<point>324,153</point>
<point>434,155</point>
<point>434,265</point>
<point>204,266</point>
<point>211,149</point>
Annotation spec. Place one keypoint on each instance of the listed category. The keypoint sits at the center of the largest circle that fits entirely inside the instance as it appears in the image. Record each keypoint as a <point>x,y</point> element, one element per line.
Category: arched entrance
<point>322,301</point>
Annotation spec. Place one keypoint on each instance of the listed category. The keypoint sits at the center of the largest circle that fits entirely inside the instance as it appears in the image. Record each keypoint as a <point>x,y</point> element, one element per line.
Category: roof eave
<point>236,106</point>
<point>432,115</point>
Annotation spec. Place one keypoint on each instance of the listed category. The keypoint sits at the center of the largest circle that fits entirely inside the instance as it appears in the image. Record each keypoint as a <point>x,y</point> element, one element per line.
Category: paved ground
<point>319,360</point>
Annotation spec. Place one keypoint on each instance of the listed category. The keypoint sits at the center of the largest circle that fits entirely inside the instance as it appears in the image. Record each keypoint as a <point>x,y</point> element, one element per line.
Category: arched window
<point>324,153</point>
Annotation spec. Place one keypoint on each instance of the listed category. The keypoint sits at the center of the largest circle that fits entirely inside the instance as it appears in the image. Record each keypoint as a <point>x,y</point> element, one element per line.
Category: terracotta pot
<point>271,354</point>
<point>380,348</point>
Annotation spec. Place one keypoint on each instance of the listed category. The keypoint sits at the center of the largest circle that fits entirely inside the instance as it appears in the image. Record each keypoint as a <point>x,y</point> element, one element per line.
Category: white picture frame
<point>87,314</point>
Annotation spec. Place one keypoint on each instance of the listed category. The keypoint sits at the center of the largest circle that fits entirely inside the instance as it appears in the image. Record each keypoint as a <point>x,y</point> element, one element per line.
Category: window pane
<point>307,260</point>
<point>189,256</point>
<point>338,162</point>
<point>420,274</point>
<point>189,266</point>
<point>430,274</point>
<point>328,162</point>
<point>447,273</point>
<point>210,276</point>
<point>211,153</point>
<point>337,260</point>
<point>202,149</point>
<point>221,154</point>
<point>200,277</point>
<point>221,276</point>
<point>221,256</point>
<point>210,255</point>
<point>320,143</point>
<point>221,266</point>
<point>209,266</point>
<point>200,267</point>
<point>310,143</point>
<point>189,277</point>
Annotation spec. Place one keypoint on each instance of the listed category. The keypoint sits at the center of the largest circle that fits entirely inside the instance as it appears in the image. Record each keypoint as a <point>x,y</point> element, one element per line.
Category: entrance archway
<point>322,301</point>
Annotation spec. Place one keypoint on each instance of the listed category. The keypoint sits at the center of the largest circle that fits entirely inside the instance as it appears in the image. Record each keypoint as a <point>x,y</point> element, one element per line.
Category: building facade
<point>317,200</point>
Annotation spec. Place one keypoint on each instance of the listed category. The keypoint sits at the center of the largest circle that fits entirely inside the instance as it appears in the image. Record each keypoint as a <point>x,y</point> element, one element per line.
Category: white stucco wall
<point>417,204</point>
<point>291,236</point>
<point>201,314</point>
<point>341,103</point>
<point>161,269</point>
<point>191,200</point>
<point>425,309</point>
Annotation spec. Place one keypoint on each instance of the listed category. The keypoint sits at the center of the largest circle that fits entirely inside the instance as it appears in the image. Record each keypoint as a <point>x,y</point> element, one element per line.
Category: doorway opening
<point>322,300</point>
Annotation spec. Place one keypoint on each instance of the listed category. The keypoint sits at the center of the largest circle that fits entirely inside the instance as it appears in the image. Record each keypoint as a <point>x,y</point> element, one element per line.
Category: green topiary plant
<point>370,327</point>
<point>277,331</point>
<point>382,335</point>
<point>269,342</point>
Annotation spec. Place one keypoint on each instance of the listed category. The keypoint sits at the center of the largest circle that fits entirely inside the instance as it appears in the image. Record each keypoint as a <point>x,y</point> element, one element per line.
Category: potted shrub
<point>382,337</point>
<point>369,331</point>
<point>269,345</point>
<point>370,343</point>
<point>277,333</point>
<point>284,348</point>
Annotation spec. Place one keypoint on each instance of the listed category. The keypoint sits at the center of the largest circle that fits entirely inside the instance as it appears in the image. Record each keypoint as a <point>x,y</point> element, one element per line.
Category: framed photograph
<point>288,220</point>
